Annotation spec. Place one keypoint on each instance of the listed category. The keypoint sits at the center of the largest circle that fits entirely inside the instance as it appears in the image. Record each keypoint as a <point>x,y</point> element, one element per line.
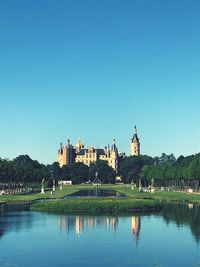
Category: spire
<point>68,141</point>
<point>114,148</point>
<point>61,149</point>
<point>79,145</point>
<point>135,136</point>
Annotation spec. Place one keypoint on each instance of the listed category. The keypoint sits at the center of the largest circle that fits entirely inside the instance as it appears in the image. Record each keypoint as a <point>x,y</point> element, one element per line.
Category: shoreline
<point>100,205</point>
<point>134,201</point>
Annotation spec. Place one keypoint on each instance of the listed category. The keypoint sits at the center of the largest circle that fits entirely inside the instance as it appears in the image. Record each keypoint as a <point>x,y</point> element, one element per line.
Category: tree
<point>65,172</point>
<point>55,170</point>
<point>105,173</point>
<point>79,173</point>
<point>131,167</point>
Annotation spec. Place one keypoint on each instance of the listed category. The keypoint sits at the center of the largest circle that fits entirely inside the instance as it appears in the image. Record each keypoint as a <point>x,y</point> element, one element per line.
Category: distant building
<point>69,154</point>
<point>135,144</point>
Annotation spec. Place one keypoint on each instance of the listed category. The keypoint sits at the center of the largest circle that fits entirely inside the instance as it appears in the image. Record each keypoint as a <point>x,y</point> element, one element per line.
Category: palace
<point>68,154</point>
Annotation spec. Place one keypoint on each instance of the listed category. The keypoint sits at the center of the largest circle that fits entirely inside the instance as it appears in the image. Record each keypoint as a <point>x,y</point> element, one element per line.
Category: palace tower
<point>135,144</point>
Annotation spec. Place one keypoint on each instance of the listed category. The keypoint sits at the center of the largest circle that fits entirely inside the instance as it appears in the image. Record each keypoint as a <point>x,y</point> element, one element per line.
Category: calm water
<point>96,193</point>
<point>170,238</point>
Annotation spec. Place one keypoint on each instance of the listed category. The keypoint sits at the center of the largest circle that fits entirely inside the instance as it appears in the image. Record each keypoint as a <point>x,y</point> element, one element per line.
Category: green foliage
<point>65,173</point>
<point>105,173</point>
<point>55,170</point>
<point>165,170</point>
<point>130,167</point>
<point>22,169</point>
<point>79,173</point>
<point>97,205</point>
<point>185,171</point>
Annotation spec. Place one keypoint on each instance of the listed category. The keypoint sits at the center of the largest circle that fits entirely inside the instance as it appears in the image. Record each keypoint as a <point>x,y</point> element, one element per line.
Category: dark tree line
<point>130,167</point>
<point>25,171</point>
<point>81,173</point>
<point>22,169</point>
<point>166,170</point>
<point>182,173</point>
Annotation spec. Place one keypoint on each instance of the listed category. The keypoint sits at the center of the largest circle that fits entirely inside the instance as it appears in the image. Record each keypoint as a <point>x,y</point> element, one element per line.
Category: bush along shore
<point>99,205</point>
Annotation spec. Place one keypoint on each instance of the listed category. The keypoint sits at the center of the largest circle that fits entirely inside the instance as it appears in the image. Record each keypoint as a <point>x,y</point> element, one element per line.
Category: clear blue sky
<point>94,69</point>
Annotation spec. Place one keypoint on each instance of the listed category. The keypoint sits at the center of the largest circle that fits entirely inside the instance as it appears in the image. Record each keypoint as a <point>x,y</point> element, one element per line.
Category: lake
<point>169,238</point>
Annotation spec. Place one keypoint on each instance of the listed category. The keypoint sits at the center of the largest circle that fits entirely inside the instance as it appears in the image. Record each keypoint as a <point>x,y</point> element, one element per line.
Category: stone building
<point>68,154</point>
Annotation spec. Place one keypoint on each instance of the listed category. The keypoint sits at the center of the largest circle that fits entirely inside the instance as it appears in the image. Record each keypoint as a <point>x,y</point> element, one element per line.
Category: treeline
<point>22,169</point>
<point>165,170</point>
<point>81,173</point>
<point>183,172</point>
<point>25,170</point>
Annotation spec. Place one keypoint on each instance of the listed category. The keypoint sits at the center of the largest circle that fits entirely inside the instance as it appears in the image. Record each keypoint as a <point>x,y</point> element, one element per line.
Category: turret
<point>113,157</point>
<point>79,145</point>
<point>113,147</point>
<point>135,144</point>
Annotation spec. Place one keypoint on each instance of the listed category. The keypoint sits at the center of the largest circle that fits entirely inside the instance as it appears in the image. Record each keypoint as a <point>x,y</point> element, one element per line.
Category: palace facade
<point>68,154</point>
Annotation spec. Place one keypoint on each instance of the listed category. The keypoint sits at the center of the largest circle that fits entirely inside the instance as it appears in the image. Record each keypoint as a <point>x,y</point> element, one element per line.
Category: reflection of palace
<point>135,227</point>
<point>77,224</point>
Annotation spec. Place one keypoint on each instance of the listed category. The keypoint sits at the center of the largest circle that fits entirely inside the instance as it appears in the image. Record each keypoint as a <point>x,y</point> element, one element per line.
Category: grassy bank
<point>97,205</point>
<point>125,189</point>
<point>28,198</point>
<point>166,196</point>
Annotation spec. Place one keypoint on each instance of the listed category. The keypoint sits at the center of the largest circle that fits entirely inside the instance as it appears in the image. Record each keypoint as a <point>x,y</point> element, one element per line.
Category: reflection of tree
<point>183,214</point>
<point>14,221</point>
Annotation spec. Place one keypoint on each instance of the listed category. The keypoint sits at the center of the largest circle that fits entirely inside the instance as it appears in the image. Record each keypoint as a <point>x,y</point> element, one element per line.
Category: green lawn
<point>167,196</point>
<point>125,189</point>
<point>33,196</point>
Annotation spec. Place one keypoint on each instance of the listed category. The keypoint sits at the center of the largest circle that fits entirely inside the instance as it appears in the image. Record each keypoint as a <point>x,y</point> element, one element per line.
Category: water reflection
<point>183,214</point>
<point>178,214</point>
<point>95,193</point>
<point>13,218</point>
<point>76,224</point>
<point>135,227</point>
